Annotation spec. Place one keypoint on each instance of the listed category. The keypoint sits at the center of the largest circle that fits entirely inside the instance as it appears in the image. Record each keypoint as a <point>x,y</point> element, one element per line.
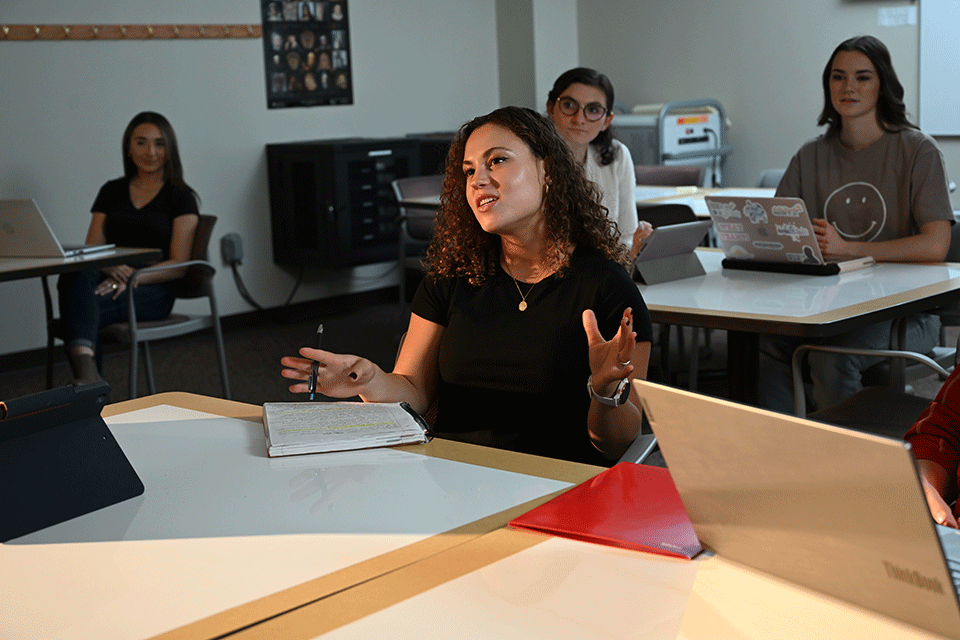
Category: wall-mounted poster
<point>306,50</point>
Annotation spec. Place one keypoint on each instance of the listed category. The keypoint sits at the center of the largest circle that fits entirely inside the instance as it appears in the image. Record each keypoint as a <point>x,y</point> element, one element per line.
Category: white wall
<point>762,59</point>
<point>417,67</point>
<point>555,44</point>
<point>425,65</point>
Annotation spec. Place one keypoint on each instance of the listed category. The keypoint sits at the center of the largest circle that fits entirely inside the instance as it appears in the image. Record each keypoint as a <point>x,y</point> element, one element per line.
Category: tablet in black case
<point>59,460</point>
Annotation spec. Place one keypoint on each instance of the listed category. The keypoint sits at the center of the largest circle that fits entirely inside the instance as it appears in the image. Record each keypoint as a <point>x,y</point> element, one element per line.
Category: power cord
<point>231,248</point>
<point>245,294</point>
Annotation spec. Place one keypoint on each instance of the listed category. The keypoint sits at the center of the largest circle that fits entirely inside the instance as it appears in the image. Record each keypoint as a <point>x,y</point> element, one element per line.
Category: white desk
<point>693,196</point>
<point>224,537</point>
<point>645,196</point>
<point>748,303</point>
<point>423,202</point>
<point>480,580</point>
<point>523,585</point>
<point>22,268</point>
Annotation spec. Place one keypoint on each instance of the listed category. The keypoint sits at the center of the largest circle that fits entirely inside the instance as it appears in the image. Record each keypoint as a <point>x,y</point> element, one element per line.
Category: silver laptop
<point>838,511</point>
<point>24,233</point>
<point>770,234</point>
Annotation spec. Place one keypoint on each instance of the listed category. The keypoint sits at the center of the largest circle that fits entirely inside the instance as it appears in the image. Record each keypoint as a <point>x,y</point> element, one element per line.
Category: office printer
<point>683,132</point>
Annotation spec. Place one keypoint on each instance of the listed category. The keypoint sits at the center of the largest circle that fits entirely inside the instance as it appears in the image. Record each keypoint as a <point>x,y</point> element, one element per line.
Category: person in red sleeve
<point>935,439</point>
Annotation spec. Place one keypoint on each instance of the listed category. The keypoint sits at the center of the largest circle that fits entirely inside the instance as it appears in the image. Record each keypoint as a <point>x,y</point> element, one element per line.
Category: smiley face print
<point>857,210</point>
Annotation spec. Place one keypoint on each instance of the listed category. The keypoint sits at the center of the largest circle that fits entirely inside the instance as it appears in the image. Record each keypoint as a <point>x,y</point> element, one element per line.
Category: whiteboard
<point>940,67</point>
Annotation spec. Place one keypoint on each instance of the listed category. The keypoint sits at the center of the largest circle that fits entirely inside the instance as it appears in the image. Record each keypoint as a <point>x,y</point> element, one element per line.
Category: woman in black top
<point>150,206</point>
<point>525,283</point>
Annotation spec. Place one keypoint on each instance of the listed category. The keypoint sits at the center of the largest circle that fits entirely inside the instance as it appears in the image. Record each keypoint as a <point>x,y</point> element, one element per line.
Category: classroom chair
<point>949,312</point>
<point>897,372</point>
<point>640,450</point>
<point>770,178</point>
<point>888,410</point>
<point>197,283</point>
<point>415,224</point>
<point>668,175</point>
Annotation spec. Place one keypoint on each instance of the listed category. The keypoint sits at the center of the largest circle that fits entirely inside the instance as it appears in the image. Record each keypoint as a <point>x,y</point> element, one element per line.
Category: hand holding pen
<point>315,368</point>
<point>335,375</point>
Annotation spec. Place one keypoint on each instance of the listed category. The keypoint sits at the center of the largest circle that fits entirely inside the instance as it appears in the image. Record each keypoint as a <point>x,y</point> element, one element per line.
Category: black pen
<point>312,383</point>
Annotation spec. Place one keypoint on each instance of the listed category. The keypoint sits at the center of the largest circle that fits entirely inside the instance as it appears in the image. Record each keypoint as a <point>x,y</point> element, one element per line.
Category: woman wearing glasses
<point>580,106</point>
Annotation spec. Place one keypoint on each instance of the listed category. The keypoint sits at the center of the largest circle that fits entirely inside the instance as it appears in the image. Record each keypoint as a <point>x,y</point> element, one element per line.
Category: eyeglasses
<point>592,111</point>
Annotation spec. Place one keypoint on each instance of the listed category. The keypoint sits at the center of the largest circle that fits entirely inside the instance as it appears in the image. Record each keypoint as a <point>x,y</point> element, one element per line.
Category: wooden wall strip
<point>128,31</point>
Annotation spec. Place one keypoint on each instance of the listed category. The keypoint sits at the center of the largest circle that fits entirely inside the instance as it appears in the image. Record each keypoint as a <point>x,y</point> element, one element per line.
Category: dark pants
<point>83,312</point>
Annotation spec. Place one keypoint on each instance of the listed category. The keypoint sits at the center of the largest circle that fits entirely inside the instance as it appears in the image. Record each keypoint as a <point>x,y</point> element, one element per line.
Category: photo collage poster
<point>307,53</point>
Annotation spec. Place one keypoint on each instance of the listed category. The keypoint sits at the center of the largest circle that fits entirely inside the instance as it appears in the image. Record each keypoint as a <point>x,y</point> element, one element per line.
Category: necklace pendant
<point>523,305</point>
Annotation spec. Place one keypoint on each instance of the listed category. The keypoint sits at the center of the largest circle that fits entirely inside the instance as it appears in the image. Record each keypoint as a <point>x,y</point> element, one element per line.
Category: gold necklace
<point>523,298</point>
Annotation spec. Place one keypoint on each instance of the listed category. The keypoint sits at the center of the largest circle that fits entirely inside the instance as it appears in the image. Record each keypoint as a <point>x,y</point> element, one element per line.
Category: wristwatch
<point>619,396</point>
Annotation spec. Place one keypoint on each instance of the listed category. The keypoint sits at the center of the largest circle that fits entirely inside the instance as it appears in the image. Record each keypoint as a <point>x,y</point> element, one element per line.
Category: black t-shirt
<point>524,373</point>
<point>151,226</point>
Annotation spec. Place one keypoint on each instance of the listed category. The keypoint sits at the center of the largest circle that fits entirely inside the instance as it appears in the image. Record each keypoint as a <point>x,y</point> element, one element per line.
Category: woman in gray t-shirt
<point>875,185</point>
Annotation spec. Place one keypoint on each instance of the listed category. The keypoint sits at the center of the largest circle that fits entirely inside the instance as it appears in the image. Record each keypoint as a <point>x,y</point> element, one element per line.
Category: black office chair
<point>196,283</point>
<point>415,224</point>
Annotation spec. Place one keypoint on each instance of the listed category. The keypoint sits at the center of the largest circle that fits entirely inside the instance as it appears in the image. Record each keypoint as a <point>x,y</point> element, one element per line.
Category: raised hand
<point>610,360</point>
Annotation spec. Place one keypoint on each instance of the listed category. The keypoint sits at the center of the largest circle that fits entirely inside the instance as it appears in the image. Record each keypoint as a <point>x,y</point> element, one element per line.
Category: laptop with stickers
<point>771,234</point>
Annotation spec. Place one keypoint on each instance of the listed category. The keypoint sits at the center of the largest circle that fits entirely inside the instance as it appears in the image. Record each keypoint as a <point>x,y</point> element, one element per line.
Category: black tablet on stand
<point>668,254</point>
<point>59,460</point>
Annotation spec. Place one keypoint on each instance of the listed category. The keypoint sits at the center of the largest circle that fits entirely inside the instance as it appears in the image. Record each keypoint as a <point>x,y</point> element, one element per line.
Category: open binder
<point>631,506</point>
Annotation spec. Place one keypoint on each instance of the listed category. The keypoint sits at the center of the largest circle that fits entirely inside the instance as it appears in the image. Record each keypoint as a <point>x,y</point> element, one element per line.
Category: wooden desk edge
<point>363,599</point>
<point>40,267</point>
<point>305,595</point>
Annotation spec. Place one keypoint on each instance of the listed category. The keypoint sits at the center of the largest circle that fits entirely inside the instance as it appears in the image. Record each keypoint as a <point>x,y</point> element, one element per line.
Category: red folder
<point>631,506</point>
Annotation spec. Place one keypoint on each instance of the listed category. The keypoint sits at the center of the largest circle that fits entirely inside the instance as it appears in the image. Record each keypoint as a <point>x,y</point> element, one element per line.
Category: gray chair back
<point>770,179</point>
<point>669,175</point>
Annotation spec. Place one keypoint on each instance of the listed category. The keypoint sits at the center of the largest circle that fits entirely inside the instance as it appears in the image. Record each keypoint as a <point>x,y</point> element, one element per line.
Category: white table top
<point>645,195</point>
<point>517,584</point>
<point>794,304</point>
<point>693,196</point>
<point>221,525</point>
<point>21,268</point>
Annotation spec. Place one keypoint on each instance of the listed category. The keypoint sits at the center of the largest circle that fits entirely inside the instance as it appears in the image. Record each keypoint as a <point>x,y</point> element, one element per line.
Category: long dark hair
<point>573,213</point>
<point>173,169</point>
<point>891,111</point>
<point>592,78</point>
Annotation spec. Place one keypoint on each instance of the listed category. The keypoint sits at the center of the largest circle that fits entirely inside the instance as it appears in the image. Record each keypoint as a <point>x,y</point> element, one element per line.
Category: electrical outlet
<point>231,248</point>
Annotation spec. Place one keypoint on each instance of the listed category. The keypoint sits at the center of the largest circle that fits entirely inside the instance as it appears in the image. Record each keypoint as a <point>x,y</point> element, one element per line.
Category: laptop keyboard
<point>950,541</point>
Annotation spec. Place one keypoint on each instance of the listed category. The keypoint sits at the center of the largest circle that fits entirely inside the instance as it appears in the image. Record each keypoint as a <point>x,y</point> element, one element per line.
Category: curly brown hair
<point>572,209</point>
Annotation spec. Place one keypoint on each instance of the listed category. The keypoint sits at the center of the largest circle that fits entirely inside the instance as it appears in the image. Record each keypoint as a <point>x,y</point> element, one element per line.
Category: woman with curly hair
<point>525,303</point>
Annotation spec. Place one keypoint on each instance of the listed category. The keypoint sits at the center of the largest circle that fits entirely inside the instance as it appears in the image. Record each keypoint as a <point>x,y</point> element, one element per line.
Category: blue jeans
<point>83,312</point>
<point>835,377</point>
